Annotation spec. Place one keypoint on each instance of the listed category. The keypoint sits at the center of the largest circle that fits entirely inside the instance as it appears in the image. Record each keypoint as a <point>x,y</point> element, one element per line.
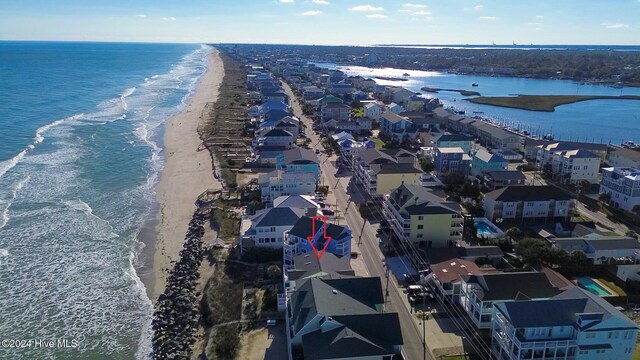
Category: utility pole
<point>386,273</point>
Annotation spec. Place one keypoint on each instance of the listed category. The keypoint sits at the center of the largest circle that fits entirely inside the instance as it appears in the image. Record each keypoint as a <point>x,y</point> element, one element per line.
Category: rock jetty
<point>175,320</point>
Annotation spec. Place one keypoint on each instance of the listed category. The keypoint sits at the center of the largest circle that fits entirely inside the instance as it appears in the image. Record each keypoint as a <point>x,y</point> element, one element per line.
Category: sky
<point>325,22</point>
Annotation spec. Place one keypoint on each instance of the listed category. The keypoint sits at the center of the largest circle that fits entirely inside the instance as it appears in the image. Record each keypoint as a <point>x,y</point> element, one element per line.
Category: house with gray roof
<point>495,180</point>
<point>479,293</point>
<point>284,183</point>
<point>574,324</point>
<point>343,319</point>
<point>267,227</point>
<point>299,160</point>
<point>417,215</point>
<point>600,248</point>
<point>308,266</point>
<point>315,234</point>
<point>624,157</point>
<point>535,203</point>
<point>397,128</point>
<point>484,161</point>
<point>378,172</point>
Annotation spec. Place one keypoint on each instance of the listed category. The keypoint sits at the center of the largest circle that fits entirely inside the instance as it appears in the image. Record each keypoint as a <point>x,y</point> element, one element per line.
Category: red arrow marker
<point>324,235</point>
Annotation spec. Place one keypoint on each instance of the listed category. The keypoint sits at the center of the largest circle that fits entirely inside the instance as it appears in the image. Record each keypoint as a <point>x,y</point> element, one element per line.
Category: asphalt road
<point>373,257</point>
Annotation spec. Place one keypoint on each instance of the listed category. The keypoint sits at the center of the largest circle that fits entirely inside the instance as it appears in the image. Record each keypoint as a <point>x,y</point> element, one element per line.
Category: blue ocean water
<point>81,128</point>
<point>600,121</point>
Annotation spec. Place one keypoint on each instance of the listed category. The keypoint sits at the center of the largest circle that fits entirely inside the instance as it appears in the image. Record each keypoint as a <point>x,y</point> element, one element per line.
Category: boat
<point>406,74</point>
<point>474,84</point>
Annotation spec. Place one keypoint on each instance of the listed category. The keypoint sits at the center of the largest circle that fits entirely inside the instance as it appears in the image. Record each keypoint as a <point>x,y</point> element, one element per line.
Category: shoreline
<point>186,174</point>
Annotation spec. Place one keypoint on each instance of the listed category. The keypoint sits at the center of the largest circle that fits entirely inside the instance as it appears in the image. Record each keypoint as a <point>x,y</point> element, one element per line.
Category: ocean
<point>81,127</point>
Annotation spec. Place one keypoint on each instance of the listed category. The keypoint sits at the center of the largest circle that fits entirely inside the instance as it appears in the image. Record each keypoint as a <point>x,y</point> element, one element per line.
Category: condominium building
<point>417,215</point>
<point>531,202</point>
<point>623,185</point>
<point>379,172</point>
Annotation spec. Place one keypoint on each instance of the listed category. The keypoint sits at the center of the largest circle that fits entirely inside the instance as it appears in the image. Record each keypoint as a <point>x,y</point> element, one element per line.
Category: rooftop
<point>528,193</point>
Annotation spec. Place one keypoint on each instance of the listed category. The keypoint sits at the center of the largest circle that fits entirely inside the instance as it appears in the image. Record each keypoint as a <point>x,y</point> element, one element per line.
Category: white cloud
<point>311,13</point>
<point>488,18</point>
<point>142,16</point>
<point>287,1</point>
<point>534,24</point>
<point>616,26</point>
<point>320,2</point>
<point>478,7</point>
<point>366,8</point>
<point>542,17</point>
<point>377,16</point>
<point>421,13</point>
<point>418,6</point>
<point>169,18</point>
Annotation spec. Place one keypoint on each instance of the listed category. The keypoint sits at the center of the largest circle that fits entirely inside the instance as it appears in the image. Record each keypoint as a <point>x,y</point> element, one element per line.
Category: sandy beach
<point>187,174</point>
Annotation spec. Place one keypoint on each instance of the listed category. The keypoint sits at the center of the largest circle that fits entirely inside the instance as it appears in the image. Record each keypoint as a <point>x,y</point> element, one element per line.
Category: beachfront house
<point>572,325</point>
<point>417,215</point>
<point>622,184</point>
<point>534,203</point>
<point>484,161</point>
<point>267,227</point>
<point>276,137</point>
<point>320,233</point>
<point>479,293</point>
<point>342,318</point>
<point>299,160</point>
<point>282,183</point>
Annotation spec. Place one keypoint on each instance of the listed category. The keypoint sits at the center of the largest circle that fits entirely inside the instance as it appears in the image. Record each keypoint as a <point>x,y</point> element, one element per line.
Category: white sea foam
<point>86,278</point>
<point>6,204</point>
<point>3,253</point>
<point>7,165</point>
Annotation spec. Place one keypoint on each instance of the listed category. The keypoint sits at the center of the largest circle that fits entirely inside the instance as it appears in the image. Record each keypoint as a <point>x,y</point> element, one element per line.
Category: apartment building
<point>537,203</point>
<point>379,172</point>
<point>623,185</point>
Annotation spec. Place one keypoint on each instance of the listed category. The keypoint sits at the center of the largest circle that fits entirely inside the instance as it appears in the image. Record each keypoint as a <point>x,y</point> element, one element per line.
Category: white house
<point>543,203</point>
<point>599,248</point>
<point>623,185</point>
<point>623,157</point>
<point>572,325</point>
<point>267,227</point>
<point>282,183</point>
<point>373,111</point>
<point>576,165</point>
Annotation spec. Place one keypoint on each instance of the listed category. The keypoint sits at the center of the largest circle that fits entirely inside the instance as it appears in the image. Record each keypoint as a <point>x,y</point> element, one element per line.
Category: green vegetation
<point>224,131</point>
<point>537,251</point>
<point>261,255</point>
<point>223,342</point>
<point>226,223</point>
<point>379,143</point>
<point>542,102</point>
<point>425,164</point>
<point>462,92</point>
<point>358,112</point>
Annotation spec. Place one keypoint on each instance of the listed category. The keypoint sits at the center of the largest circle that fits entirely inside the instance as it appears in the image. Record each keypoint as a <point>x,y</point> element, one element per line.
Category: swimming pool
<point>485,228</point>
<point>587,283</point>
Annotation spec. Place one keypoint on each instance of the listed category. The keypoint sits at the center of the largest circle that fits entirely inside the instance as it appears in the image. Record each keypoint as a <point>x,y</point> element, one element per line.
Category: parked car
<point>317,151</point>
<point>328,212</point>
